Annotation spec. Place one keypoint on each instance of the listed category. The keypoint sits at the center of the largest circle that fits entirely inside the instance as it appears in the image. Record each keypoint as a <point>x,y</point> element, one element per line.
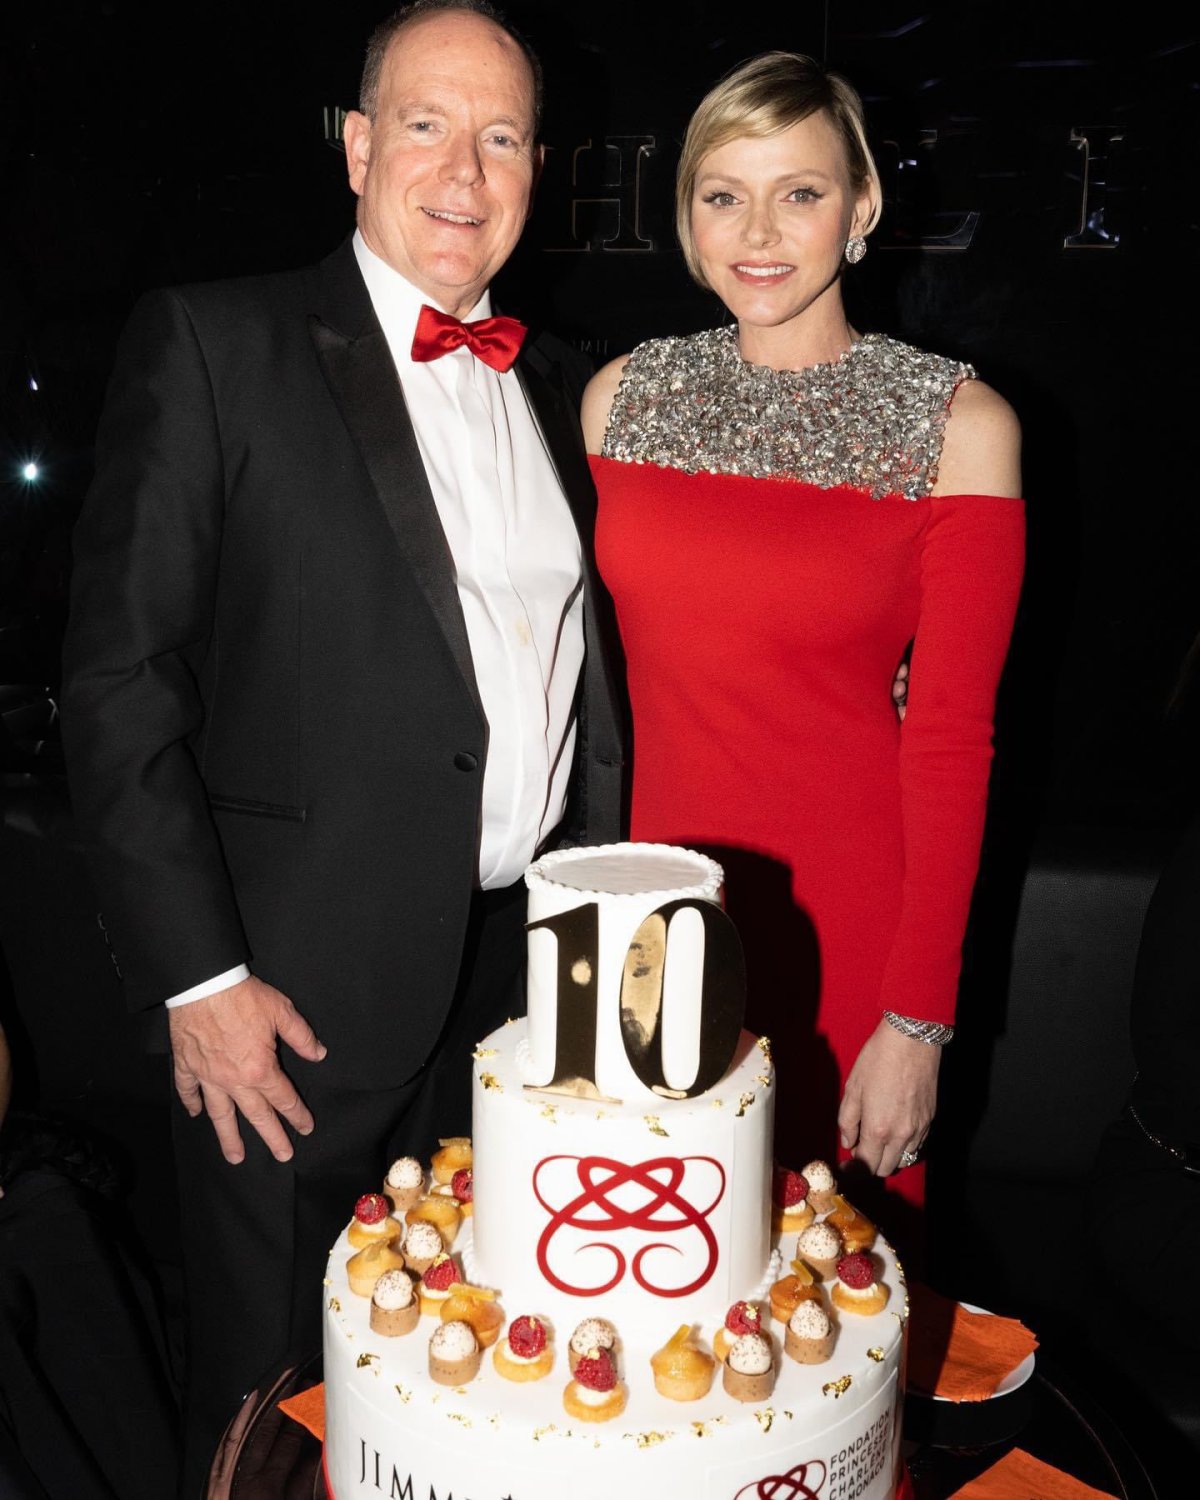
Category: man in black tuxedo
<point>335,674</point>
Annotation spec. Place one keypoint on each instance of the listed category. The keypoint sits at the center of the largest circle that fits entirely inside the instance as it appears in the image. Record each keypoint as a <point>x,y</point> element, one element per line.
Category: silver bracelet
<point>932,1032</point>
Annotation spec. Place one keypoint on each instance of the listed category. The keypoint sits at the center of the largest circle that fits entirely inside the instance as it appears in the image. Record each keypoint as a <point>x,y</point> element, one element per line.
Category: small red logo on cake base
<point>667,1196</point>
<point>804,1482</point>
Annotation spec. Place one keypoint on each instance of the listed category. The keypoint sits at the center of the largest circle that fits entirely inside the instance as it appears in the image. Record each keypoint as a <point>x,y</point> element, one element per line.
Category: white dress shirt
<point>518,568</point>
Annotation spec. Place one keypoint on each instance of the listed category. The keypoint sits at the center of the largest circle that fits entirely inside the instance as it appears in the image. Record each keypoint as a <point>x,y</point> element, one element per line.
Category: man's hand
<point>226,1061</point>
<point>890,1098</point>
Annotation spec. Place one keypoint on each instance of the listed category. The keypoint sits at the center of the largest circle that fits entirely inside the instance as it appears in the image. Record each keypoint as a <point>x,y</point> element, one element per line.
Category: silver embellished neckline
<point>872,419</point>
<point>730,331</point>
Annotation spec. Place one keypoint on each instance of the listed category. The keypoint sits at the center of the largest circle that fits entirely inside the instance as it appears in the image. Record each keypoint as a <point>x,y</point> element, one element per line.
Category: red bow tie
<point>496,341</point>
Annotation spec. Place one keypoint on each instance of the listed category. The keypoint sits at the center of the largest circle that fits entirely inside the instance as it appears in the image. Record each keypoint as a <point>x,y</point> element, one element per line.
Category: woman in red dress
<point>784,507</point>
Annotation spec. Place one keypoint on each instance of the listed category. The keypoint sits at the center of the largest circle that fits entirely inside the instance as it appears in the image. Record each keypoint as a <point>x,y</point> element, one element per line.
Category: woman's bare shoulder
<point>597,402</point>
<point>981,450</point>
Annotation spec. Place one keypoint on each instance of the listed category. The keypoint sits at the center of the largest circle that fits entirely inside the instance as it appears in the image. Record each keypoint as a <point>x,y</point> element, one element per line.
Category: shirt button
<point>465,761</point>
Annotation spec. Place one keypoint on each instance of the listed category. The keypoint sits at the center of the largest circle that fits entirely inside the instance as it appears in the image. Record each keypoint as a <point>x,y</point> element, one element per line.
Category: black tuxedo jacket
<point>274,737</point>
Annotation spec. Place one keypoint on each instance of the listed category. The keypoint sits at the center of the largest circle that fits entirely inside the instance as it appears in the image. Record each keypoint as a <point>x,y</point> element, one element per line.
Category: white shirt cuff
<point>209,986</point>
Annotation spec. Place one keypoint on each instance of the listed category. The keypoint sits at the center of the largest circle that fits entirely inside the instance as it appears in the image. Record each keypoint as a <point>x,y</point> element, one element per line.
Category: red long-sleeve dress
<point>763,618</point>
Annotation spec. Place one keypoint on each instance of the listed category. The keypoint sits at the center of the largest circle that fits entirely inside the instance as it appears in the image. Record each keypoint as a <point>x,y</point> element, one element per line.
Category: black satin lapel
<point>600,714</point>
<point>362,378</point>
<point>560,429</point>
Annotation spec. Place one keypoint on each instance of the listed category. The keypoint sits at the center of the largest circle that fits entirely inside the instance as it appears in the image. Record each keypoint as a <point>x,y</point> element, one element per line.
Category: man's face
<point>445,174</point>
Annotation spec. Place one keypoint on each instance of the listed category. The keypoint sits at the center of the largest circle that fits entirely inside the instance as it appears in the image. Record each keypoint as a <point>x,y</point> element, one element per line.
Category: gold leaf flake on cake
<point>764,1045</point>
<point>764,1079</point>
<point>648,1439</point>
<point>744,1104</point>
<point>459,1416</point>
<point>704,1429</point>
<point>326,1281</point>
<point>490,1081</point>
<point>364,1359</point>
<point>405,1395</point>
<point>550,1112</point>
<point>876,1354</point>
<point>654,1125</point>
<point>481,1052</point>
<point>494,1420</point>
<point>839,1387</point>
<point>765,1418</point>
<point>334,1305</point>
<point>602,1114</point>
<point>718,1103</point>
<point>540,1432</point>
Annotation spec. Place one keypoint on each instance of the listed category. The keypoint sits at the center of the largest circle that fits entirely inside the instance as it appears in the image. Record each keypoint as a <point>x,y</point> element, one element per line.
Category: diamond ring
<point>909,1158</point>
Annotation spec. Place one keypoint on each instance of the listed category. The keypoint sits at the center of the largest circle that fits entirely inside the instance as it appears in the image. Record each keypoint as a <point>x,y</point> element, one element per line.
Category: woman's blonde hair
<point>762,97</point>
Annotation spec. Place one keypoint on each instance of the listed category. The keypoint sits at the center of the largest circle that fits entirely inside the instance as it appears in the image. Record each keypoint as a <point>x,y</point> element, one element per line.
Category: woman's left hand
<point>890,1098</point>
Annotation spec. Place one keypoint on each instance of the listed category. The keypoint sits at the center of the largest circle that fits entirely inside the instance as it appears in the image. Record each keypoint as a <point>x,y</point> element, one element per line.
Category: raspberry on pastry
<point>526,1353</point>
<point>858,1288</point>
<point>595,1394</point>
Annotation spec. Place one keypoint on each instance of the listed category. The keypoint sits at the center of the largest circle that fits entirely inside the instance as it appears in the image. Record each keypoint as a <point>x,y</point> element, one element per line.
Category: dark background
<point>145,145</point>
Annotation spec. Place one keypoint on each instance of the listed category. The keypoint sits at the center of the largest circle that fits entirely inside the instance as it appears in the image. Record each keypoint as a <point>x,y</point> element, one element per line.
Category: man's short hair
<point>381,39</point>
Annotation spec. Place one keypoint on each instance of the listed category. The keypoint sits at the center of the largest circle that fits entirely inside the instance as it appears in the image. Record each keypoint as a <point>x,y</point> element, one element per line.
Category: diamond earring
<point>856,248</point>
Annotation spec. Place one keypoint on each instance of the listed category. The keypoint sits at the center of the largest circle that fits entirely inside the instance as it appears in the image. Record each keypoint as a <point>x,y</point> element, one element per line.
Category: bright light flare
<point>30,472</point>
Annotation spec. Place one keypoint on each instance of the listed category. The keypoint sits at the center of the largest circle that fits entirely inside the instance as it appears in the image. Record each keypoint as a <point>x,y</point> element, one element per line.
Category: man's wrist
<point>209,987</point>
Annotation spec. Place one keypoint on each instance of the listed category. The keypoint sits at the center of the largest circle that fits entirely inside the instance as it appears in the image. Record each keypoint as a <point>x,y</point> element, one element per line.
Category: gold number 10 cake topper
<point>722,999</point>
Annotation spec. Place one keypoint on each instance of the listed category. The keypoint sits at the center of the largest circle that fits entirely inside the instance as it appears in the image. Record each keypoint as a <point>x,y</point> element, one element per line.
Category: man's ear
<point>356,135</point>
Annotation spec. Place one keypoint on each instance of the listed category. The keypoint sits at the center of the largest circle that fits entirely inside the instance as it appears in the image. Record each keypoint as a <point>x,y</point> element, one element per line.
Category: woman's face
<point>771,217</point>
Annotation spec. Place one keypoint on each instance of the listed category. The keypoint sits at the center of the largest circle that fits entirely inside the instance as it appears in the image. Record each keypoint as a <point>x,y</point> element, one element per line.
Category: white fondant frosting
<point>640,1211</point>
<point>498,1437</point>
<point>607,872</point>
<point>588,1209</point>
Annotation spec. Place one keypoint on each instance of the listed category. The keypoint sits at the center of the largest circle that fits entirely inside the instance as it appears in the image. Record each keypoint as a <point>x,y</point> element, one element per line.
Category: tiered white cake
<point>622,1167</point>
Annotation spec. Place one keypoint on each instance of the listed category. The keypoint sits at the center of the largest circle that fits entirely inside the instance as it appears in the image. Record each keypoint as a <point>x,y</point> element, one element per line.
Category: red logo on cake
<point>669,1195</point>
<point>804,1482</point>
